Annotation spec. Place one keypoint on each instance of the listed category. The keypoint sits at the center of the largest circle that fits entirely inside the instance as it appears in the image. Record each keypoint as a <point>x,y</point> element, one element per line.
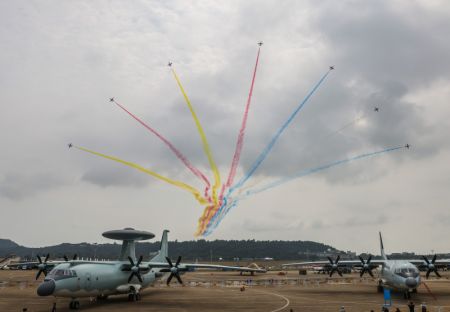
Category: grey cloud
<point>16,186</point>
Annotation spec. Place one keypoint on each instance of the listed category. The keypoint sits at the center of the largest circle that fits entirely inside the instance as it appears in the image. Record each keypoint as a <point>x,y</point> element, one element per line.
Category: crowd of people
<point>411,308</point>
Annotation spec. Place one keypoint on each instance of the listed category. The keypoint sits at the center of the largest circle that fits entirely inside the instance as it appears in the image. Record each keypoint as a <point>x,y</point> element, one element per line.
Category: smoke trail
<point>268,148</point>
<point>240,141</point>
<point>219,217</point>
<point>179,184</point>
<point>206,148</point>
<point>272,142</point>
<point>317,169</point>
<point>180,156</point>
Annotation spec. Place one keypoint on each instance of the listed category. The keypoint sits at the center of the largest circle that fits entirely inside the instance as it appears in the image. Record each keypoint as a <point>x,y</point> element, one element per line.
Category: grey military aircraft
<point>129,275</point>
<point>397,275</point>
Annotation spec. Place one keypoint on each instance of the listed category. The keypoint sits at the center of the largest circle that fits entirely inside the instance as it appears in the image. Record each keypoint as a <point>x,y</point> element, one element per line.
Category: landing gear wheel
<point>134,297</point>
<point>74,305</point>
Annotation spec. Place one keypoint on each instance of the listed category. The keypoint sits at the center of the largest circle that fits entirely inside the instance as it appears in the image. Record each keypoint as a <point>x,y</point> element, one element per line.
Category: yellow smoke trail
<point>182,185</point>
<point>206,148</point>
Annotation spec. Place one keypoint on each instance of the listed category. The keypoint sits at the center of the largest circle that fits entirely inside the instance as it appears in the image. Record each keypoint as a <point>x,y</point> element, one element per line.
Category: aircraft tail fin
<point>382,247</point>
<point>164,249</point>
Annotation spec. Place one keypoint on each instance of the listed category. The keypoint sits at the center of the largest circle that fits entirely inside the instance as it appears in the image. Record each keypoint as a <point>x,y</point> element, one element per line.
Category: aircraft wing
<point>325,263</point>
<point>193,266</point>
<point>422,263</point>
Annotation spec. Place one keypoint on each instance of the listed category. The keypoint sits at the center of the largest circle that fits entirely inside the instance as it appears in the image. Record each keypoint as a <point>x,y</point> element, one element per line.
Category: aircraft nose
<point>46,288</point>
<point>411,282</point>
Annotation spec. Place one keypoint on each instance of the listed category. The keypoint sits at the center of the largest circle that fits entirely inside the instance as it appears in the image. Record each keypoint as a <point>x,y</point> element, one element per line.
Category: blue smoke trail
<point>220,212</point>
<point>276,183</point>
<point>314,170</point>
<point>272,142</point>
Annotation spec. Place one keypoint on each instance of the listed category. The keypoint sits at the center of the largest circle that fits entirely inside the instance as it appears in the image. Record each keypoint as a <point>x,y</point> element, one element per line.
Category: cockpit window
<point>57,274</point>
<point>407,272</point>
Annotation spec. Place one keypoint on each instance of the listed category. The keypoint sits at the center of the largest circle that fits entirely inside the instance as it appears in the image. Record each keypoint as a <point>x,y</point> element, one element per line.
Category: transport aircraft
<point>129,275</point>
<point>397,275</point>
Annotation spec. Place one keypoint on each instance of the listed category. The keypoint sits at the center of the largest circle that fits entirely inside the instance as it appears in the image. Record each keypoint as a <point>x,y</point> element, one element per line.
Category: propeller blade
<point>46,258</point>
<point>437,274</point>
<point>426,260</point>
<point>338,258</point>
<point>139,277</point>
<point>45,272</point>
<point>331,261</point>
<point>331,272</point>
<point>169,261</point>
<point>178,261</point>
<point>362,272</point>
<point>362,260</point>
<point>131,277</point>
<point>39,258</point>
<point>370,273</point>
<point>38,274</point>
<point>131,261</point>
<point>340,273</point>
<point>428,274</point>
<point>178,278</point>
<point>370,259</point>
<point>169,279</point>
<point>139,261</point>
<point>434,258</point>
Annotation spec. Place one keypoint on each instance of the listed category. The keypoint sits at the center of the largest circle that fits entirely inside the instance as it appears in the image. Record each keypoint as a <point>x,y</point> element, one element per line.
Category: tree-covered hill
<point>201,250</point>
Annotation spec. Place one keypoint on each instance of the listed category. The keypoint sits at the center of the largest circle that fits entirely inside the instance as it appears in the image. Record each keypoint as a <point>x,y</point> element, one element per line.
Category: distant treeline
<point>200,250</point>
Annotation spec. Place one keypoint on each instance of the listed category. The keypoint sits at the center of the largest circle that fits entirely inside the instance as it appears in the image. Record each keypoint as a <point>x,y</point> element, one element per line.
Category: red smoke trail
<point>180,156</point>
<point>240,140</point>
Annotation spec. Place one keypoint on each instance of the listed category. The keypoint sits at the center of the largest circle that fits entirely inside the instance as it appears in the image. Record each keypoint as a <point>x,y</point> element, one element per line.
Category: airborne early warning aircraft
<point>398,275</point>
<point>129,275</point>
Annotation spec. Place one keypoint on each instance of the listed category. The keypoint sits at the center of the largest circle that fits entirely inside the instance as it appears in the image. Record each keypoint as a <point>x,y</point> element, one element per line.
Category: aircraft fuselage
<point>92,280</point>
<point>400,275</point>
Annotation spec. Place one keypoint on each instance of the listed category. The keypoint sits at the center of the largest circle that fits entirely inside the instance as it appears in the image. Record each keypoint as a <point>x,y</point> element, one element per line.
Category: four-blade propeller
<point>430,266</point>
<point>42,266</point>
<point>75,257</point>
<point>366,267</point>
<point>174,270</point>
<point>334,266</point>
<point>135,269</point>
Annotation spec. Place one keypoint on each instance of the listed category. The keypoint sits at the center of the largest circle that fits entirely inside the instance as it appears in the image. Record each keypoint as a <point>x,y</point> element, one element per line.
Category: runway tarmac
<point>220,291</point>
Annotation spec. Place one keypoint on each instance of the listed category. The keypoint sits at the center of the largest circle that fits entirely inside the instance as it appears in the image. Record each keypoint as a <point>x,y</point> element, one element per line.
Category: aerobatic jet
<point>398,275</point>
<point>128,275</point>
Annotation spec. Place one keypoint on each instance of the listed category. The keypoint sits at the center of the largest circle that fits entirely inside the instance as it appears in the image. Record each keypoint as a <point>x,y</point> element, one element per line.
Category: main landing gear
<point>74,305</point>
<point>134,297</point>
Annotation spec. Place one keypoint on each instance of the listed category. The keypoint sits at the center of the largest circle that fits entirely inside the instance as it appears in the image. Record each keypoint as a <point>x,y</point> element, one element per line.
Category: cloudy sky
<point>62,60</point>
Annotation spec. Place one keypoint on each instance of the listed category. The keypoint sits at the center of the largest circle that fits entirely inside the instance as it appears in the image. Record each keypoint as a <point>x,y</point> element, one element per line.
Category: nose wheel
<point>407,295</point>
<point>74,305</point>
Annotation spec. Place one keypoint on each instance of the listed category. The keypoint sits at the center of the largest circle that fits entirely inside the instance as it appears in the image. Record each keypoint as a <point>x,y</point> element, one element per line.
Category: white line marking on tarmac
<point>278,295</point>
